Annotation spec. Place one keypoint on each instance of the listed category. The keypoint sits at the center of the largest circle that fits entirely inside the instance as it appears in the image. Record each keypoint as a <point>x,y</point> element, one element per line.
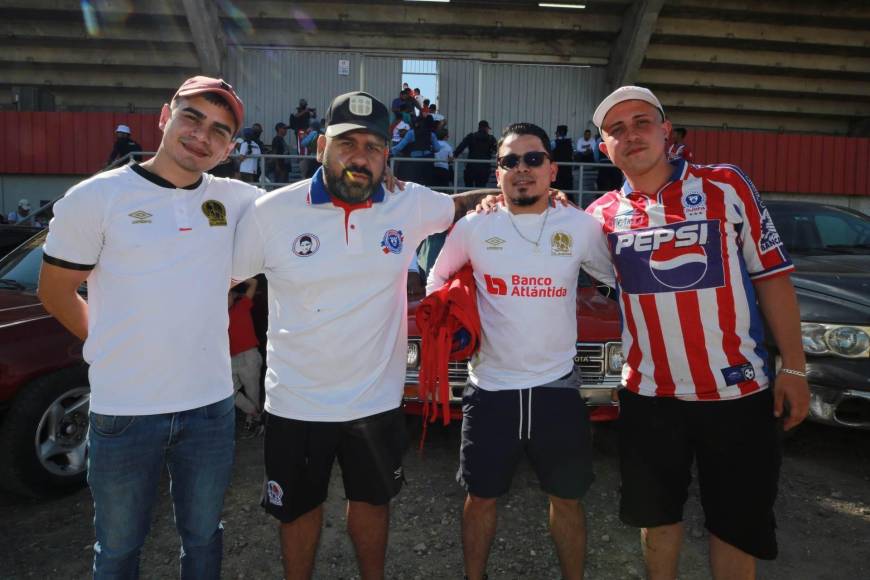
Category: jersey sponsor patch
<point>769,236</point>
<point>671,258</point>
<point>392,242</point>
<point>274,493</point>
<point>306,245</point>
<point>738,374</point>
<point>627,220</point>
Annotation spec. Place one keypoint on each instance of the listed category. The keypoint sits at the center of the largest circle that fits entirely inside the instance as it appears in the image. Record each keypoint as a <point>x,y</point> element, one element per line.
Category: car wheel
<point>43,438</point>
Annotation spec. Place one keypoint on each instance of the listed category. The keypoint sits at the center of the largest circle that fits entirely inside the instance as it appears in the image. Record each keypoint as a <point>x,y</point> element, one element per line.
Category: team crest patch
<point>215,212</point>
<point>694,202</point>
<point>274,493</point>
<point>361,105</point>
<point>392,242</point>
<point>305,245</point>
<point>561,244</point>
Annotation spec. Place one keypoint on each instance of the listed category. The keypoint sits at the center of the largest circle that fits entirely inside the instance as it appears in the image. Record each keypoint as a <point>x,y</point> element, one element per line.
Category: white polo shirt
<point>337,274</point>
<point>157,295</point>
<point>526,297</point>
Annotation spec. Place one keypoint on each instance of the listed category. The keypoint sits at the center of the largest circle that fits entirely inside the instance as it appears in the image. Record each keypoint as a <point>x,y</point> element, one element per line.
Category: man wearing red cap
<point>161,387</point>
<point>700,271</point>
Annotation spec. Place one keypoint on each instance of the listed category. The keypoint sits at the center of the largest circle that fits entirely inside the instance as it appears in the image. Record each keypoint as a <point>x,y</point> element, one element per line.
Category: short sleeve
<point>597,261</point>
<point>76,233</point>
<point>453,256</point>
<point>249,250</point>
<point>436,210</point>
<point>760,244</point>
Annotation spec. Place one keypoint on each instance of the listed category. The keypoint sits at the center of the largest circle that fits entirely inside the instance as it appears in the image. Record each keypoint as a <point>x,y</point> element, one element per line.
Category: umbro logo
<point>140,217</point>
<point>494,243</point>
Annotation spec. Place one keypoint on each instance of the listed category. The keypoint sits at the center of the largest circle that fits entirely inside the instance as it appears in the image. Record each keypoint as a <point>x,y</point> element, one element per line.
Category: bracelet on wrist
<point>797,373</point>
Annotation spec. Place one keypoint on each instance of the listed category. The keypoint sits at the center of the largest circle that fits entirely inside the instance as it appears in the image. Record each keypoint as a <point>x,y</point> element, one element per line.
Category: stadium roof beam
<point>630,47</point>
<point>205,27</point>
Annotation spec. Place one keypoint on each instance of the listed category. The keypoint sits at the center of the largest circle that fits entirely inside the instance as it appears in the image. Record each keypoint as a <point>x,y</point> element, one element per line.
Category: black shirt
<point>123,147</point>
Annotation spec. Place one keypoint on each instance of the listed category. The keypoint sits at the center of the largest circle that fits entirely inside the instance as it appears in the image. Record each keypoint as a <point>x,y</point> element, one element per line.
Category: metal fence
<point>584,191</point>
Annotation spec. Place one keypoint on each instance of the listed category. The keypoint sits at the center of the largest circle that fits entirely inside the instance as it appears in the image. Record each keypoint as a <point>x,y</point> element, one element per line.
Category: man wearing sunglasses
<point>523,395</point>
<point>700,269</point>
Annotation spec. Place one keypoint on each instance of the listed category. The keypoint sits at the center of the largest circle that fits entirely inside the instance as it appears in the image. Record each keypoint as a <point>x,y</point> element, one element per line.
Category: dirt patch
<point>823,512</point>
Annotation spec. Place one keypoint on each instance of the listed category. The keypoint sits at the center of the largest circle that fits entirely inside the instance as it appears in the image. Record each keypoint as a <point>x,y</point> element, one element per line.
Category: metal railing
<point>582,193</point>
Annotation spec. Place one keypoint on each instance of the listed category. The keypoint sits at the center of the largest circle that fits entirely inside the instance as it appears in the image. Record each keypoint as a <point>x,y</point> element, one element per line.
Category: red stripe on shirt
<point>662,372</point>
<point>725,295</point>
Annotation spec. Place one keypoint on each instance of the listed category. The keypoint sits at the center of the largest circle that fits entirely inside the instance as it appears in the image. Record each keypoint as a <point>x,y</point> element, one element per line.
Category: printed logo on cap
<point>361,105</point>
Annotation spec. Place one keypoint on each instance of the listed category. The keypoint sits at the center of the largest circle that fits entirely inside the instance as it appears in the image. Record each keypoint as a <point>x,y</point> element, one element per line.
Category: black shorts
<point>549,424</point>
<point>736,444</point>
<point>299,457</point>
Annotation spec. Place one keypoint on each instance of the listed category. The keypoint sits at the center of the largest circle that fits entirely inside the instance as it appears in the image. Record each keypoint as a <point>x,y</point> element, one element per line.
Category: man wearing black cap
<point>336,250</point>
<point>160,376</point>
<point>480,145</point>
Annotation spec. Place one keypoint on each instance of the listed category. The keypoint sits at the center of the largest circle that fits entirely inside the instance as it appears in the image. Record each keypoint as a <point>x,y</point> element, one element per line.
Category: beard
<point>339,183</point>
<point>524,196</point>
<point>525,201</point>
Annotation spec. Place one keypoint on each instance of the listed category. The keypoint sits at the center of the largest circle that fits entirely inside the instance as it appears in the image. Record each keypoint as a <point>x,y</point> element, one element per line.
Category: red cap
<point>200,84</point>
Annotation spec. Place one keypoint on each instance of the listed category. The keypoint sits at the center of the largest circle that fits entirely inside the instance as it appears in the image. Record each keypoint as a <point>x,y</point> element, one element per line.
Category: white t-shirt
<point>443,154</point>
<point>157,295</point>
<point>527,299</point>
<point>250,164</point>
<point>338,330</point>
<point>585,145</point>
<point>400,126</point>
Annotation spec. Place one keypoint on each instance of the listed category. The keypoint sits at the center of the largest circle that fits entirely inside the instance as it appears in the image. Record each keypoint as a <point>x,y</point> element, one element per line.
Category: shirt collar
<point>318,194</point>
<point>678,165</point>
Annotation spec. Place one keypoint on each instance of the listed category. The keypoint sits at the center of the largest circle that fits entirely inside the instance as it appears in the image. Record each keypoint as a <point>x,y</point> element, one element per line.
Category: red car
<point>44,391</point>
<point>599,357</point>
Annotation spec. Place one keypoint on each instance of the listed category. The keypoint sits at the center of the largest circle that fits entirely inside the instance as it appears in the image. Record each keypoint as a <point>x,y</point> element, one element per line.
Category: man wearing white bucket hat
<point>124,145</point>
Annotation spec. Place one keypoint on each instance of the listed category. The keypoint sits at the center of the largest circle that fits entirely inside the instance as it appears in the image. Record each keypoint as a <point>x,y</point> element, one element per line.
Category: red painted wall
<point>67,143</point>
<point>789,163</point>
<point>79,144</point>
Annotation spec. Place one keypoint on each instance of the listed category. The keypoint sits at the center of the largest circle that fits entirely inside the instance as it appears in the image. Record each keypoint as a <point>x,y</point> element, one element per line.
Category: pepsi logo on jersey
<point>674,257</point>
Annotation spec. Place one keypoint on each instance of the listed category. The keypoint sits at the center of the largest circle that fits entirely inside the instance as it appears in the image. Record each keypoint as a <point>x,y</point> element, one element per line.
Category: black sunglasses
<point>531,159</point>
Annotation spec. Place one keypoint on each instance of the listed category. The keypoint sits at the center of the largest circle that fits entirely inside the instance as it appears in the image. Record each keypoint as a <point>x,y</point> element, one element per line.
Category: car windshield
<point>821,229</point>
<point>20,269</point>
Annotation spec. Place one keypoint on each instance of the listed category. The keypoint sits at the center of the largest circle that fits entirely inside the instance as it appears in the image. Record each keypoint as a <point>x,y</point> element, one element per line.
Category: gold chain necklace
<point>536,243</point>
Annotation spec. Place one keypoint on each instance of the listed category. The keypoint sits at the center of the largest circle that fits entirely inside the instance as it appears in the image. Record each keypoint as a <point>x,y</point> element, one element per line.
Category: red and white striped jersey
<point>685,260</point>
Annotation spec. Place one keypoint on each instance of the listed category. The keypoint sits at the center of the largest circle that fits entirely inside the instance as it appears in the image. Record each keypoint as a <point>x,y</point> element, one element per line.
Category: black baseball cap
<point>355,111</point>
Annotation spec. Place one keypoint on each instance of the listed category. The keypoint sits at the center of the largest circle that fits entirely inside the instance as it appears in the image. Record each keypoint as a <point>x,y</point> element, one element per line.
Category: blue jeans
<point>126,455</point>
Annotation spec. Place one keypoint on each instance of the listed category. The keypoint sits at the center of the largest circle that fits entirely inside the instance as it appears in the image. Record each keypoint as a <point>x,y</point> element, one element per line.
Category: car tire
<point>43,436</point>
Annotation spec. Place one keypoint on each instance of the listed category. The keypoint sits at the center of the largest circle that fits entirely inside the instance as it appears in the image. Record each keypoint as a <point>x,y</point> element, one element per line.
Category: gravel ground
<point>823,511</point>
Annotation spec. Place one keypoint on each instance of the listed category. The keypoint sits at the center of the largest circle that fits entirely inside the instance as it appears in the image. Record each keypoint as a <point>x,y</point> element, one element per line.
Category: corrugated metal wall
<point>272,81</point>
<point>787,163</point>
<point>457,98</point>
<point>544,95</point>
